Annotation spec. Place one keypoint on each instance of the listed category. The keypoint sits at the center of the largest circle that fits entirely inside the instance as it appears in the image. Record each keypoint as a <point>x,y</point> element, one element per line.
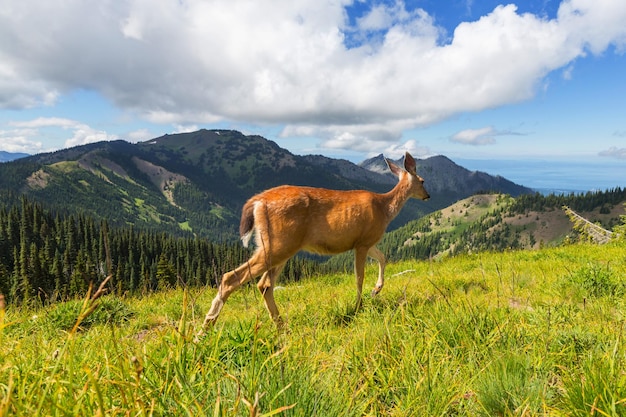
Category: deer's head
<point>416,182</point>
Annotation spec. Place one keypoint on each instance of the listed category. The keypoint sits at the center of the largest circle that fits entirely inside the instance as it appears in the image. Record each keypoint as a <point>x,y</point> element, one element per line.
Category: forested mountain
<point>195,183</point>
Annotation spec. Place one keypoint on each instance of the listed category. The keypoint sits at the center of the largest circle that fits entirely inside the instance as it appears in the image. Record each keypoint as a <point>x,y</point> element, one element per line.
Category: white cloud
<point>378,18</point>
<point>20,140</point>
<point>482,136</point>
<point>287,62</point>
<point>18,91</point>
<point>384,16</point>
<point>568,72</point>
<point>185,128</point>
<point>614,152</point>
<point>84,134</point>
<point>139,135</point>
<point>395,151</point>
<point>369,138</point>
<point>33,130</point>
<point>46,122</point>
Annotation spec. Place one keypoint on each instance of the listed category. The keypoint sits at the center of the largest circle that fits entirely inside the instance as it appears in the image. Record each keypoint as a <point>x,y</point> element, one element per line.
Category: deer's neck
<point>396,198</point>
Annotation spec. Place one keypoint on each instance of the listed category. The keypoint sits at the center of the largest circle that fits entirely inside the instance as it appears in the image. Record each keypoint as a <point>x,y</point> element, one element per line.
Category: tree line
<point>47,257</point>
<point>580,202</point>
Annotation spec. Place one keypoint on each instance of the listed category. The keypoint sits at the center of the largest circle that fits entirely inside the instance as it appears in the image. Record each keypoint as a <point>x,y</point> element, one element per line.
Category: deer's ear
<point>395,169</point>
<point>409,163</point>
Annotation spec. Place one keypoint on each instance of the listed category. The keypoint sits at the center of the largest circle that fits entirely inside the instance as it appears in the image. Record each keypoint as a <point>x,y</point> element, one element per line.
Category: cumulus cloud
<point>20,140</point>
<point>614,152</point>
<point>370,138</point>
<point>81,133</point>
<point>289,62</point>
<point>84,134</point>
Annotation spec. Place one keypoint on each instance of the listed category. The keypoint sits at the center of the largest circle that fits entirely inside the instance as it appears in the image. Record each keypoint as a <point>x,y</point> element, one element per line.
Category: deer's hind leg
<point>360,256</point>
<point>375,253</point>
<point>266,287</point>
<point>232,280</point>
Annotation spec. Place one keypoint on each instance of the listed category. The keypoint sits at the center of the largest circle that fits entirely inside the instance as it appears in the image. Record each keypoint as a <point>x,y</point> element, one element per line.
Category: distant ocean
<point>555,176</point>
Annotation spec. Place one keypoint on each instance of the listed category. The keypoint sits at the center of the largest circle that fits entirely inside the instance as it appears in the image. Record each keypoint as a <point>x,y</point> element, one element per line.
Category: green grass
<point>146,212</point>
<point>185,226</point>
<point>494,334</point>
<point>65,166</point>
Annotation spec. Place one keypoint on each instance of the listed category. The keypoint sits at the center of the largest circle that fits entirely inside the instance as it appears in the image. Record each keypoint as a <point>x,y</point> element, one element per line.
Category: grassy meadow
<point>529,333</point>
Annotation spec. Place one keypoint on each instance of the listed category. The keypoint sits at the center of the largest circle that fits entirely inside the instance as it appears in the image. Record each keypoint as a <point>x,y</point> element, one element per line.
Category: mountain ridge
<point>11,156</point>
<point>198,181</point>
<point>451,175</point>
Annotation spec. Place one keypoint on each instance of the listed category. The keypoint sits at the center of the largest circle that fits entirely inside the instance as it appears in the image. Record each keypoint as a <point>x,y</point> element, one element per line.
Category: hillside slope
<point>500,222</point>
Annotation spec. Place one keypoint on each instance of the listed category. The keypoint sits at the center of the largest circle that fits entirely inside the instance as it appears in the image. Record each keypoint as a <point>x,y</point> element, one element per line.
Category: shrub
<point>111,310</point>
<point>599,389</point>
<point>597,281</point>
<point>510,386</point>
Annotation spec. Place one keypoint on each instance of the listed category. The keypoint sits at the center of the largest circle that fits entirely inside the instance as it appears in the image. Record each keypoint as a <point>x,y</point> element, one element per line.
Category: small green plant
<point>111,310</point>
<point>341,313</point>
<point>510,386</point>
<point>599,389</point>
<point>596,280</point>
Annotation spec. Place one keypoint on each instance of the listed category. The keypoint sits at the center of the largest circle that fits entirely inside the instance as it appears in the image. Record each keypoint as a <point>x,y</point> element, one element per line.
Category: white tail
<point>288,219</point>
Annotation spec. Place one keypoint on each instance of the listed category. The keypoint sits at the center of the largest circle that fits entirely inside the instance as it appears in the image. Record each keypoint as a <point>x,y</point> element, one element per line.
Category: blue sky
<point>539,80</point>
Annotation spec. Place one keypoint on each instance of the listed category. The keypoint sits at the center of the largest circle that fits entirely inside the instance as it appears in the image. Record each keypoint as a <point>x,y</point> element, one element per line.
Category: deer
<point>287,219</point>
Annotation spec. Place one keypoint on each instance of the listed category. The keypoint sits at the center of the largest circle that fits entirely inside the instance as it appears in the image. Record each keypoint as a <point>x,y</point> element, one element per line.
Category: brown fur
<point>288,219</point>
<point>247,219</point>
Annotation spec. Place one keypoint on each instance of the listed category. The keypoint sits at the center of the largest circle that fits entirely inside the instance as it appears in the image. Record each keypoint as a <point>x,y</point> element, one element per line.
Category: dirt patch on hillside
<point>95,164</point>
<point>548,226</point>
<point>162,178</point>
<point>609,212</point>
<point>38,180</point>
<point>555,225</point>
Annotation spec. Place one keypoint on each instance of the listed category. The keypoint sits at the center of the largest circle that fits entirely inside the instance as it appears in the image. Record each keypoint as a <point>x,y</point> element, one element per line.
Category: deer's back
<point>321,220</point>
